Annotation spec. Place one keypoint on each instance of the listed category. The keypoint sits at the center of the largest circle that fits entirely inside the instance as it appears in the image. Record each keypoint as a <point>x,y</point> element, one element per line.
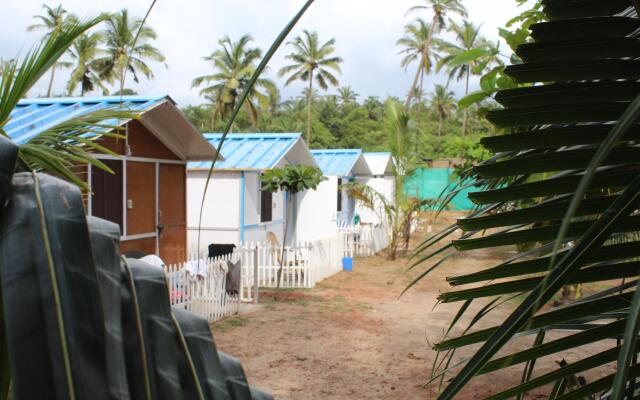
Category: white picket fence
<point>200,286</point>
<point>364,240</point>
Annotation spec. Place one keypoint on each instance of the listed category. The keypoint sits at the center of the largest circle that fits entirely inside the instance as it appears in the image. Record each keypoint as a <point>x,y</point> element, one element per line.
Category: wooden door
<point>172,213</point>
<point>141,232</point>
<point>106,188</point>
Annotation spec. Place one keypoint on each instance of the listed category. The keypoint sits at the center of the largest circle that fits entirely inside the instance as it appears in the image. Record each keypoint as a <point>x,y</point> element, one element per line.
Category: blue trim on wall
<point>242,226</point>
<point>264,224</point>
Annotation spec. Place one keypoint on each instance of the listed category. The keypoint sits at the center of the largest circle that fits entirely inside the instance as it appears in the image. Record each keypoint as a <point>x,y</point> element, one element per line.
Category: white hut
<point>383,181</point>
<point>236,210</point>
<point>320,212</point>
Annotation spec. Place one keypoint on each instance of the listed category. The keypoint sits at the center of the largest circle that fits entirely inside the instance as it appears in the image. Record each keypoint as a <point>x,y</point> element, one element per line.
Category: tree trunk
<point>53,75</point>
<point>439,124</point>
<point>422,61</point>
<point>413,87</point>
<point>420,93</point>
<point>465,115</point>
<point>284,238</point>
<point>309,111</point>
<point>122,80</point>
<point>393,247</point>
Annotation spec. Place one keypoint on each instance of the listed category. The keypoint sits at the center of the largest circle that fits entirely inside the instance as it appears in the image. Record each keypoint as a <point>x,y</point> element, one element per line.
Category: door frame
<point>125,159</point>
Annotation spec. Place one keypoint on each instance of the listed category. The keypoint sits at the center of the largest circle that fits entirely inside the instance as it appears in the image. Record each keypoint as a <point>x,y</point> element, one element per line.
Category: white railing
<point>199,286</point>
<point>364,240</point>
<point>261,264</point>
<point>304,265</point>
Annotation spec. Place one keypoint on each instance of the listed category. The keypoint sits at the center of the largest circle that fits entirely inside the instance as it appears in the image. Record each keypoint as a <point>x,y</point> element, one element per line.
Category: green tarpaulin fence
<point>428,183</point>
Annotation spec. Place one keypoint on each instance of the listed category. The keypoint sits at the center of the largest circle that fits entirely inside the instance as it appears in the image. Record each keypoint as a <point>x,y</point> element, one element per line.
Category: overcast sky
<point>365,33</point>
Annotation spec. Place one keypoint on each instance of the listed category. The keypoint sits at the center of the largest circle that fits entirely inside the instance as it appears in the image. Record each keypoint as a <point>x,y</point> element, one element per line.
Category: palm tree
<point>234,64</point>
<point>374,107</point>
<point>443,103</point>
<point>311,61</point>
<point>346,95</point>
<point>417,47</point>
<point>59,148</point>
<point>398,211</point>
<point>52,21</point>
<point>467,38</point>
<point>124,52</point>
<point>440,9</point>
<point>85,51</point>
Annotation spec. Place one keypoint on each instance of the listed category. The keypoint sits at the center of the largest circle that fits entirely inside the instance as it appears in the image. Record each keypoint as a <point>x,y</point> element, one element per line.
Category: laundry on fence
<point>234,277</point>
<point>197,268</point>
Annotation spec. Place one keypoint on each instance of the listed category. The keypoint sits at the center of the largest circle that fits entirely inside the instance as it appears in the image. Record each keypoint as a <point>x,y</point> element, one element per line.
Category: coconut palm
<point>399,211</point>
<point>425,37</point>
<point>440,9</point>
<point>346,95</point>
<point>85,51</point>
<point>311,60</point>
<point>234,64</point>
<point>443,103</point>
<point>467,38</point>
<point>124,53</point>
<point>417,43</point>
<point>61,147</point>
<point>374,107</point>
<point>52,21</point>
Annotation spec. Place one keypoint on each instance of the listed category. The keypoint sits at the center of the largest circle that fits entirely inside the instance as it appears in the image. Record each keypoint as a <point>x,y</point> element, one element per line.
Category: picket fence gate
<point>199,285</point>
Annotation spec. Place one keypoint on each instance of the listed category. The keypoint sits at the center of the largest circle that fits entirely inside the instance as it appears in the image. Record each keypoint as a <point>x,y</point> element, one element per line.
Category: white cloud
<point>365,32</point>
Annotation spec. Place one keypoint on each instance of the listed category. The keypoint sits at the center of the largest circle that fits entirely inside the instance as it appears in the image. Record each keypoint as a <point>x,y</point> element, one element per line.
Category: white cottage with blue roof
<point>383,181</point>
<point>236,210</point>
<point>146,194</point>
<point>321,212</point>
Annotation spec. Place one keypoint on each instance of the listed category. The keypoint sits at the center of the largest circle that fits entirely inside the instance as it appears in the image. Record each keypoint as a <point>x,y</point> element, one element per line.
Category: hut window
<point>266,206</point>
<point>339,205</point>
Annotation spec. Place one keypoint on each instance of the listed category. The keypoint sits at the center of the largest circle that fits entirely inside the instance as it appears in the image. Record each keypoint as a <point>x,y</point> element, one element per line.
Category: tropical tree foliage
<point>59,148</point>
<point>311,61</point>
<point>563,180</point>
<point>398,212</point>
<point>234,64</point>
<point>51,22</point>
<point>85,51</point>
<point>291,179</point>
<point>417,43</point>
<point>127,48</point>
<point>420,39</point>
<point>456,57</point>
<point>443,104</point>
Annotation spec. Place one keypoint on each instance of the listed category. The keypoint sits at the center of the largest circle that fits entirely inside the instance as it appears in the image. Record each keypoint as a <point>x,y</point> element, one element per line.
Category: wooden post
<point>255,275</point>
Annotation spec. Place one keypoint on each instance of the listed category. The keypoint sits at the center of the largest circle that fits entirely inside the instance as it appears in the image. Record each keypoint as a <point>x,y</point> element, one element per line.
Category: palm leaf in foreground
<point>574,198</point>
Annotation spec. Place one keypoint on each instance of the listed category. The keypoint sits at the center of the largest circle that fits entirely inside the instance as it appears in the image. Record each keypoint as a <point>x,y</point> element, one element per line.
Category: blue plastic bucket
<point>347,264</point>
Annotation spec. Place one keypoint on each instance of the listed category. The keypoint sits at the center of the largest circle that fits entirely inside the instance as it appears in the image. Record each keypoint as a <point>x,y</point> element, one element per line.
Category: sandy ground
<point>354,337</point>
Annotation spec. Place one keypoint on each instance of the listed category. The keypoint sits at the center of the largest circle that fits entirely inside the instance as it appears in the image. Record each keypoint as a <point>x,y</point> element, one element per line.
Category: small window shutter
<point>266,206</point>
<point>339,208</point>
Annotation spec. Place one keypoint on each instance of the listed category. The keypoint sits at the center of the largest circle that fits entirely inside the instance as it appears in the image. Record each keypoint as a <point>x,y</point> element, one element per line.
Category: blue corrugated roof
<point>34,116</point>
<point>336,162</point>
<point>249,151</point>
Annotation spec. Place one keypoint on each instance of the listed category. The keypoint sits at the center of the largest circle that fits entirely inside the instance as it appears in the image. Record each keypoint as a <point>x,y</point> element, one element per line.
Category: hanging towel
<point>233,277</point>
<point>197,268</point>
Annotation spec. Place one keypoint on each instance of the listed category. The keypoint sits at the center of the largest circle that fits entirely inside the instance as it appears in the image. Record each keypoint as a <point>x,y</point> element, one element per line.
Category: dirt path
<point>352,338</point>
